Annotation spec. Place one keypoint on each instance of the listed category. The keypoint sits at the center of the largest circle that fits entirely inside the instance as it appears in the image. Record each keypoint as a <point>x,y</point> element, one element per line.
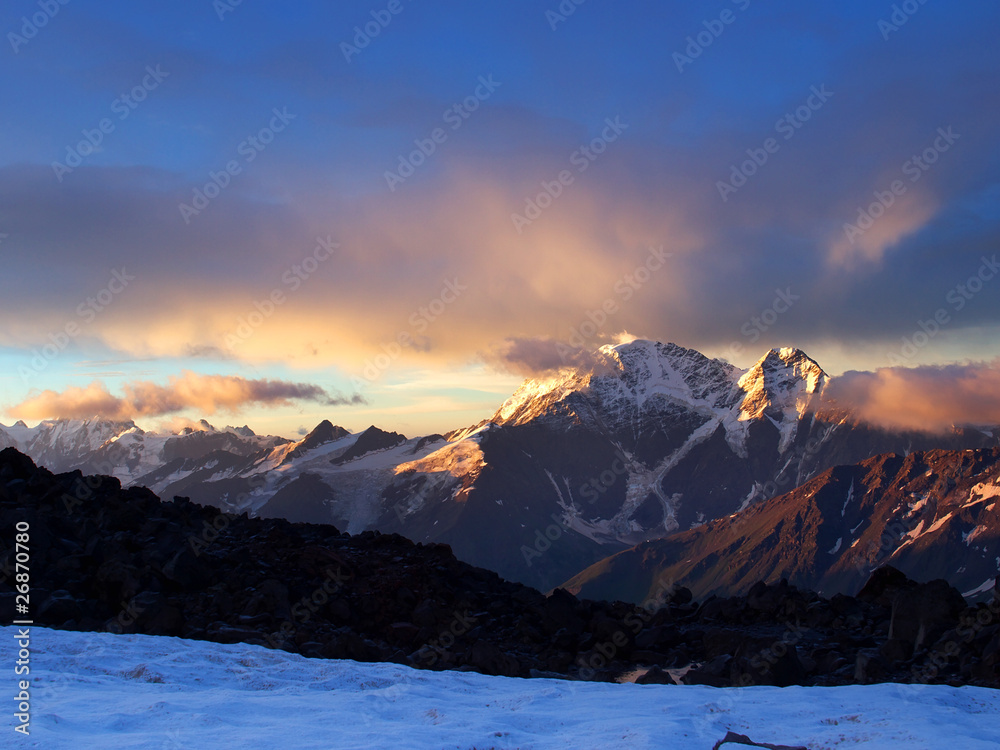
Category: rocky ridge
<point>104,558</point>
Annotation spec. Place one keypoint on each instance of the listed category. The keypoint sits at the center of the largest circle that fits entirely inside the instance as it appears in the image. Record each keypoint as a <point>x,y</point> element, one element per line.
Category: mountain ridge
<point>655,439</point>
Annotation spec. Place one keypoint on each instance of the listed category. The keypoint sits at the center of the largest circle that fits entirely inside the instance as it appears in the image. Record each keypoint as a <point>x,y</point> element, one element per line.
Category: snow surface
<point>97,690</point>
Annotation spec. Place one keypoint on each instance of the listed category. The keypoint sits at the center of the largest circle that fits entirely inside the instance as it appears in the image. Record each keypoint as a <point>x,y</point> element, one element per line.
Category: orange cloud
<point>866,239</point>
<point>389,275</point>
<point>930,399</point>
<point>206,394</point>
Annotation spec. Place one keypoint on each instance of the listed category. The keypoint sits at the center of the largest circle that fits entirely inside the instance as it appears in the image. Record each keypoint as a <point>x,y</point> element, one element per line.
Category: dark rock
<point>714,673</point>
<point>487,658</point>
<point>922,612</point>
<point>869,667</point>
<point>896,650</point>
<point>59,607</point>
<point>776,663</point>
<point>656,676</point>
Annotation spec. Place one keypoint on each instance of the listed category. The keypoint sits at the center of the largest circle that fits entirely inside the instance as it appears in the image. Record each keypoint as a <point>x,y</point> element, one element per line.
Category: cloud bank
<point>204,394</point>
<point>929,399</point>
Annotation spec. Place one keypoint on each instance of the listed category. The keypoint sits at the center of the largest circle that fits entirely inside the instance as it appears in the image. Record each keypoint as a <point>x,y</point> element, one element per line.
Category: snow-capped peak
<point>629,379</point>
<point>624,378</point>
<point>782,381</point>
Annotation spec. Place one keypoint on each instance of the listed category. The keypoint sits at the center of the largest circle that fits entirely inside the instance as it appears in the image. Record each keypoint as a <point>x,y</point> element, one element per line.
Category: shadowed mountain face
<point>657,439</point>
<point>934,514</point>
<point>325,432</point>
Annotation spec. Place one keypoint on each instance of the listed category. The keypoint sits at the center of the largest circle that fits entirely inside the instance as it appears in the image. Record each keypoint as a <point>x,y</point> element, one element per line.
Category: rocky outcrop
<point>104,558</point>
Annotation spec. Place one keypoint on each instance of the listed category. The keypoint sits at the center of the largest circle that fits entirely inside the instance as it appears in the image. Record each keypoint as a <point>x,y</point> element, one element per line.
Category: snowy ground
<point>106,691</point>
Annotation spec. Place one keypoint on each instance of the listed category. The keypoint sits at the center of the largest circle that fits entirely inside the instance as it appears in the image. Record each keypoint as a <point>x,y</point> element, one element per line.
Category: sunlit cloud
<point>870,235</point>
<point>206,394</point>
<point>931,399</point>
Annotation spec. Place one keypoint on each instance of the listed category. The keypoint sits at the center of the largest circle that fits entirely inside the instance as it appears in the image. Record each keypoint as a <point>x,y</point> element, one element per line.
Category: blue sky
<point>686,128</point>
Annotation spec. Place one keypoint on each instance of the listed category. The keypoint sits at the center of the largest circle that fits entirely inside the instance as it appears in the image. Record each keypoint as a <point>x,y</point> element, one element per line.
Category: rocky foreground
<point>104,558</point>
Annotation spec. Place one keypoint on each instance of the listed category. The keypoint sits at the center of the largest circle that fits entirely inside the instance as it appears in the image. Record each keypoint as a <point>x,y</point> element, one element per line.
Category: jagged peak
<point>628,372</point>
<point>371,440</point>
<point>788,363</point>
<point>783,379</point>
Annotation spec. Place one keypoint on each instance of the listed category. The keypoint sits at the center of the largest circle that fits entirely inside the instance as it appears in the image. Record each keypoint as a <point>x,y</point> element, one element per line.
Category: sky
<point>390,213</point>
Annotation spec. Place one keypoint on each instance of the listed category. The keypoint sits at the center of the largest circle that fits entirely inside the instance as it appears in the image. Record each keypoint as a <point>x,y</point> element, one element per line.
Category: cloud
<point>538,356</point>
<point>866,239</point>
<point>544,356</point>
<point>930,398</point>
<point>197,284</point>
<point>205,394</point>
<point>177,424</point>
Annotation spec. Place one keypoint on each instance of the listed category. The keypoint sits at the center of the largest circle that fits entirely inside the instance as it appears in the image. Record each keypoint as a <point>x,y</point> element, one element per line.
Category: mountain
<point>123,450</point>
<point>934,514</point>
<point>63,444</point>
<point>655,439</point>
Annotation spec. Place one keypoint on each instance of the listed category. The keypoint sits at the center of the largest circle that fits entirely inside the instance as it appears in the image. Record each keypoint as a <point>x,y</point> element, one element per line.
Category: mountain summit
<point>652,440</point>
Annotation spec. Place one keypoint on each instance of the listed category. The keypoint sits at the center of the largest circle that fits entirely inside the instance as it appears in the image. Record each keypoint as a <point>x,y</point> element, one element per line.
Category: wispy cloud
<point>205,394</point>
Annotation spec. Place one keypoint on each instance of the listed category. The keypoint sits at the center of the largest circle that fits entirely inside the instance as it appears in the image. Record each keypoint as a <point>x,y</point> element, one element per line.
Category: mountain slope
<point>657,439</point>
<point>934,514</point>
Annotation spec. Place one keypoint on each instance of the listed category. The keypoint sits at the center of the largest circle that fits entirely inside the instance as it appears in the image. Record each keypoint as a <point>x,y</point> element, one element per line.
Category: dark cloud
<point>539,356</point>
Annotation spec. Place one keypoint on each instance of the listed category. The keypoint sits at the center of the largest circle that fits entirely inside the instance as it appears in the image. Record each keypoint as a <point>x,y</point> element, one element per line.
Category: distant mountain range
<point>656,440</point>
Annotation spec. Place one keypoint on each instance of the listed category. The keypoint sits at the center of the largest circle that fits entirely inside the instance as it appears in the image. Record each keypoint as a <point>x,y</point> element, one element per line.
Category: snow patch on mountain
<point>639,378</point>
